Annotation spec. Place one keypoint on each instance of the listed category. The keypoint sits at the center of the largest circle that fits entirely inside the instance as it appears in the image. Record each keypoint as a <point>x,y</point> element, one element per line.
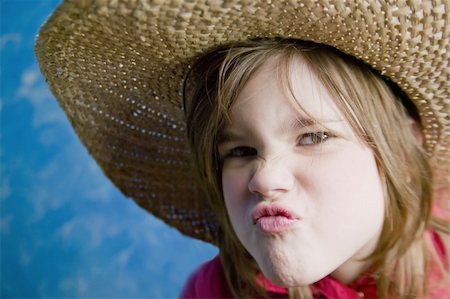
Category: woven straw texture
<point>117,67</point>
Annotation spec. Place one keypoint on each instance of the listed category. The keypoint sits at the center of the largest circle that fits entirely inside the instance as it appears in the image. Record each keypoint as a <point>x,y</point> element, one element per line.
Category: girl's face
<point>304,200</point>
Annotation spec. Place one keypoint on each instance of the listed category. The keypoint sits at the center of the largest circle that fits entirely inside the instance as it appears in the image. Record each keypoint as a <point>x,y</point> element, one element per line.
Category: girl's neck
<point>357,264</point>
<point>350,271</point>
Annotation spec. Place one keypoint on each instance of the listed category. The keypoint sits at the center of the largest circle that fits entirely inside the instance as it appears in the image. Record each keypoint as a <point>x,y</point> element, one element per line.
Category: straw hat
<point>117,67</point>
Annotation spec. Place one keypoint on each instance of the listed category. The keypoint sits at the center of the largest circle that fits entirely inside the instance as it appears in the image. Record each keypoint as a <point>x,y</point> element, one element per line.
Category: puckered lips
<point>273,218</point>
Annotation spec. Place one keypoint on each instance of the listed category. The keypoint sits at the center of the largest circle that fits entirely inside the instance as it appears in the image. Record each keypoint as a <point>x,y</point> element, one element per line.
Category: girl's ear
<point>417,130</point>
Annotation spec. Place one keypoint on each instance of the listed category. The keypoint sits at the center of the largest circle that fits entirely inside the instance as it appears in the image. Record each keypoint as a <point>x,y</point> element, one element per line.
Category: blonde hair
<point>373,107</point>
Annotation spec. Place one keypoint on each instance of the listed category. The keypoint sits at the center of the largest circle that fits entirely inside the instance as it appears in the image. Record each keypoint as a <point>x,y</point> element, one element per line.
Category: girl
<point>301,159</point>
<point>320,174</point>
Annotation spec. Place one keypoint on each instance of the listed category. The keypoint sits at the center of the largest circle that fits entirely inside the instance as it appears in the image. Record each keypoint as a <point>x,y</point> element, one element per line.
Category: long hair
<point>379,114</point>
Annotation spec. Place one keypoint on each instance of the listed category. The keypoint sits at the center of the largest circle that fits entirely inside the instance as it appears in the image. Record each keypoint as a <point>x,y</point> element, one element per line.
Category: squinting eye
<point>313,138</point>
<point>242,151</point>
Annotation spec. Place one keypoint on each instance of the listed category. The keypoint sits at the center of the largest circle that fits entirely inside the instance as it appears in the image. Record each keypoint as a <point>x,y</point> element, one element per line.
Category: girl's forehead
<point>294,82</point>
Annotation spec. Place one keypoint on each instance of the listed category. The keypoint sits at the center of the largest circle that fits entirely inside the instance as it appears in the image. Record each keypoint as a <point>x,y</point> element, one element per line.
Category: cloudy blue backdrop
<point>65,230</point>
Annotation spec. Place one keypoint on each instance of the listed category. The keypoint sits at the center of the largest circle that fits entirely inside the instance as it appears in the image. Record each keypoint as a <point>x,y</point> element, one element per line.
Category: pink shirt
<point>209,281</point>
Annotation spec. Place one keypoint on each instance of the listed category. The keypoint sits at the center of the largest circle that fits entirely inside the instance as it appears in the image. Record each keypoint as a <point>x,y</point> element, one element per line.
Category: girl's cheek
<point>233,182</point>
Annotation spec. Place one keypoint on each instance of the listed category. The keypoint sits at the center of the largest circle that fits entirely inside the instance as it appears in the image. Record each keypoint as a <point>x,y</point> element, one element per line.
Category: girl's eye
<point>313,138</point>
<point>241,151</point>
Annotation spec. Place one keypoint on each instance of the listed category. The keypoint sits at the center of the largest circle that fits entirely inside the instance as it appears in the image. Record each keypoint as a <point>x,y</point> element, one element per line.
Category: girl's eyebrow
<point>227,136</point>
<point>298,123</point>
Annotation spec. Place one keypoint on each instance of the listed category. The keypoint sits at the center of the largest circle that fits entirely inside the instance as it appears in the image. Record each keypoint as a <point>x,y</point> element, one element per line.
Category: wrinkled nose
<point>271,179</point>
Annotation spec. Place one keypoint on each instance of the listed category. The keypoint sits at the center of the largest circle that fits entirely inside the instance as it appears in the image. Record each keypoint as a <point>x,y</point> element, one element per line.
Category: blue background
<point>65,230</point>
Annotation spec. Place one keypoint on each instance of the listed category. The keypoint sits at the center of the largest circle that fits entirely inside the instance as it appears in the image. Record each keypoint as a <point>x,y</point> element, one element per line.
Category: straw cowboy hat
<point>117,68</point>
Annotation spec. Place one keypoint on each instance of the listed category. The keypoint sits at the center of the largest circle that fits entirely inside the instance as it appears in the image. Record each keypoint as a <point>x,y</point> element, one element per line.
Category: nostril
<point>258,194</point>
<point>270,179</point>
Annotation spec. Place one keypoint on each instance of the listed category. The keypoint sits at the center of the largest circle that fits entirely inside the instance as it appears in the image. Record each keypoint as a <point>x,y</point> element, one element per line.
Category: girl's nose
<point>271,179</point>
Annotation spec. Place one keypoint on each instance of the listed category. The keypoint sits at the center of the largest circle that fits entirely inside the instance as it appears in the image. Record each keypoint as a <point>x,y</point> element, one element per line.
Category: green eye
<point>313,138</point>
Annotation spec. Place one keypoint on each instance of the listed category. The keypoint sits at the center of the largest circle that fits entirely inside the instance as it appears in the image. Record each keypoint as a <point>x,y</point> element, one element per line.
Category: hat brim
<point>117,69</point>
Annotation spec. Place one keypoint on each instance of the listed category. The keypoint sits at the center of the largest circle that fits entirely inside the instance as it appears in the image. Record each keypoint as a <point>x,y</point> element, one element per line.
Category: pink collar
<point>363,287</point>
